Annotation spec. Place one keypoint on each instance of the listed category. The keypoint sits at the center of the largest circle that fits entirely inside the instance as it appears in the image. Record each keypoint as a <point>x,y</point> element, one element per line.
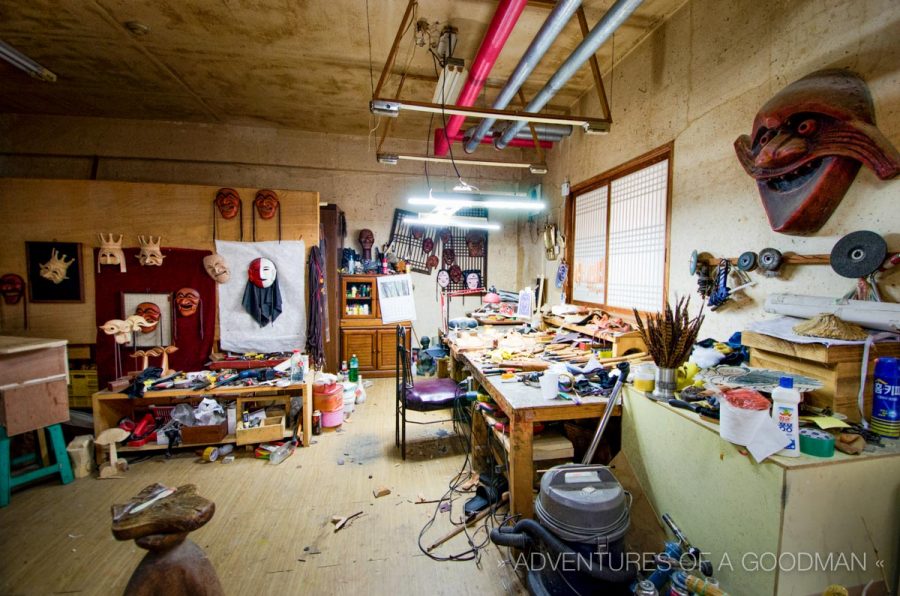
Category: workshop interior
<point>490,297</point>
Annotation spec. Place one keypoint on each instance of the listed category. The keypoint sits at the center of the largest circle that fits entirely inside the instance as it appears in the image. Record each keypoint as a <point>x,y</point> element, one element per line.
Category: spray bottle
<point>785,406</point>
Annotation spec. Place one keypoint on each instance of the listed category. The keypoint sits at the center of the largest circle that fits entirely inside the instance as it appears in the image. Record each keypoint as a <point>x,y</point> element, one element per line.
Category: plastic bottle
<point>645,588</point>
<point>886,398</point>
<point>344,372</point>
<point>785,404</point>
<point>354,369</point>
<point>297,371</point>
<point>281,453</point>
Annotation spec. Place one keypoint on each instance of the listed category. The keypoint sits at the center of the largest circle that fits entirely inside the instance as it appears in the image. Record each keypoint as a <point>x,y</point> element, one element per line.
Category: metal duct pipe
<point>508,12</point>
<point>549,31</point>
<point>523,134</point>
<point>612,20</point>
<point>523,141</point>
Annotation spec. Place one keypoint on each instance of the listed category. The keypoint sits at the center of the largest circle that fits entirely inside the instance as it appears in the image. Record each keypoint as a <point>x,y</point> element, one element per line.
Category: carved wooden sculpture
<point>807,145</point>
<point>159,521</point>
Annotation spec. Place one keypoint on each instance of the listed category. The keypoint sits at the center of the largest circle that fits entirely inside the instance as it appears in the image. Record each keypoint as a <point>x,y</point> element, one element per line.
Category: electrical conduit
<point>550,30</point>
<point>508,12</point>
<point>611,21</point>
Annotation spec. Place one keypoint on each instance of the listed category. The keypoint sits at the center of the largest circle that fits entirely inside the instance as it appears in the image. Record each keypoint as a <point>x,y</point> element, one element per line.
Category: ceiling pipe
<point>508,12</point>
<point>551,132</point>
<point>611,21</point>
<point>519,141</point>
<point>550,30</point>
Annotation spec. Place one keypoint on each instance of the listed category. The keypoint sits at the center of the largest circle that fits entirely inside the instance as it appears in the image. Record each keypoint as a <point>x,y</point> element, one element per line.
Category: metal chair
<point>420,396</point>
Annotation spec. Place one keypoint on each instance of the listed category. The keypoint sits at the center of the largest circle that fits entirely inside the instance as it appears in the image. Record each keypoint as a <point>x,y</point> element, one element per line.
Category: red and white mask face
<point>151,314</point>
<point>262,272</point>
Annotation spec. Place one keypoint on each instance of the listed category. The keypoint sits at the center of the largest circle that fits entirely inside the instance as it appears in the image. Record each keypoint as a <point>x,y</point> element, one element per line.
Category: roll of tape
<point>816,442</point>
<point>210,454</point>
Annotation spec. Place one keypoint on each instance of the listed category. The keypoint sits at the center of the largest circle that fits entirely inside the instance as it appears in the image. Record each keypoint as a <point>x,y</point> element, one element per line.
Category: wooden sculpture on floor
<point>159,520</point>
<point>116,467</point>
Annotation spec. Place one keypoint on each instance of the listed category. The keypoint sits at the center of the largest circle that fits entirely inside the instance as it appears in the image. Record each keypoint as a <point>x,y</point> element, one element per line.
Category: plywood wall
<point>77,210</point>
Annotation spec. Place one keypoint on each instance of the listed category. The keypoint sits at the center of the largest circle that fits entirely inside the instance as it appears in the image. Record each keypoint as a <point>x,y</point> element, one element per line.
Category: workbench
<point>755,513</point>
<point>524,406</point>
<point>110,407</point>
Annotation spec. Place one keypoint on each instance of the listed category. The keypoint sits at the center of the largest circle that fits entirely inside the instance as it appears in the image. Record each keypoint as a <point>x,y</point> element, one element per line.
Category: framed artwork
<point>55,271</point>
<point>155,308</point>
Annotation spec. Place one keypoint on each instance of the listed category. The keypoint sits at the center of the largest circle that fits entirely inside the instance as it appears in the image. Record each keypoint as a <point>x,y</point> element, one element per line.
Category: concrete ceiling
<point>301,64</point>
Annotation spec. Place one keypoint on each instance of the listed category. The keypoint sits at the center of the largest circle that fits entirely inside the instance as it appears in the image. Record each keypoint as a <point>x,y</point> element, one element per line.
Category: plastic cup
<point>549,385</point>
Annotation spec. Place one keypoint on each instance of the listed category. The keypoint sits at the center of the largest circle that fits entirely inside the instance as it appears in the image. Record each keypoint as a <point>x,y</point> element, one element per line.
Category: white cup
<point>549,385</point>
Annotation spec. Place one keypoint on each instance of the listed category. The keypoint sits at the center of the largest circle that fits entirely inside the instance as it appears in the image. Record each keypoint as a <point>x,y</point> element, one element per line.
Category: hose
<point>525,530</point>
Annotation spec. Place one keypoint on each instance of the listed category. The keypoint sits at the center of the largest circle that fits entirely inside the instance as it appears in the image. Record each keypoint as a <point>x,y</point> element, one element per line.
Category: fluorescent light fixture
<point>23,62</point>
<point>385,157</point>
<point>450,82</point>
<point>478,202</point>
<point>464,186</point>
<point>390,159</point>
<point>538,168</point>
<point>439,220</point>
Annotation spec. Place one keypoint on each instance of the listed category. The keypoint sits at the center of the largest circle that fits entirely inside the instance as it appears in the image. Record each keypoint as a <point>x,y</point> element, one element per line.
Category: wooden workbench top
<point>11,344</point>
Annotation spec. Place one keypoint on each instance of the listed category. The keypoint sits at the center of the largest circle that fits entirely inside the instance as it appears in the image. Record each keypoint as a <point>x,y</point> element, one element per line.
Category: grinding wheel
<point>858,254</point>
<point>692,266</point>
<point>747,261</point>
<point>770,259</point>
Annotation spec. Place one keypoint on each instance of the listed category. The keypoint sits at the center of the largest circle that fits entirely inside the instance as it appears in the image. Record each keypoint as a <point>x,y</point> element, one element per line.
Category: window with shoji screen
<point>618,226</point>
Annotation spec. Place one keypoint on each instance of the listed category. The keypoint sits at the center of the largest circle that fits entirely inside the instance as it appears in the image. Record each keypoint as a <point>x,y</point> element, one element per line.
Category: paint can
<point>886,398</point>
<point>317,422</point>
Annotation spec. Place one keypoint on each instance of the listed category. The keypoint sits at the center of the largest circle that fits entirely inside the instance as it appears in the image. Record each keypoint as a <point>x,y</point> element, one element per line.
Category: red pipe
<point>508,12</point>
<point>489,140</point>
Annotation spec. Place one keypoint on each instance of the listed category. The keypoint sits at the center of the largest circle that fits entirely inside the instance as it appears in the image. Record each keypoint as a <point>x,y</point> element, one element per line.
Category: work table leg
<point>307,414</point>
<point>521,467</point>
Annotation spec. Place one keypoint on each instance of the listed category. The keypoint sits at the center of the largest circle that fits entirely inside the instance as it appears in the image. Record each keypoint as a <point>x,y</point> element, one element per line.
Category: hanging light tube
<point>23,62</point>
<point>477,202</point>
<point>393,158</point>
<point>440,220</point>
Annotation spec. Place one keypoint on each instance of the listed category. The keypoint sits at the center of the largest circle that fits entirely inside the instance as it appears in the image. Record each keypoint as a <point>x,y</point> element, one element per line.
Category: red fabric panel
<point>182,267</point>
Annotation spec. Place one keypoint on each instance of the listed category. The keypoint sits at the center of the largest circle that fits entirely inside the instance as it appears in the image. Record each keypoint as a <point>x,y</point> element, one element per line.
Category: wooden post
<point>521,466</point>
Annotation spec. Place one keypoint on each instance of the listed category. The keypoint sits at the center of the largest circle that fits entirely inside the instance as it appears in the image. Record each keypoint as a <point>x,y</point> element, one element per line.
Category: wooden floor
<point>56,539</point>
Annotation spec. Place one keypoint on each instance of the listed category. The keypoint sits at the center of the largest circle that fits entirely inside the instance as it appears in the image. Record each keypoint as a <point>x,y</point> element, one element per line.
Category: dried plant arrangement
<point>670,335</point>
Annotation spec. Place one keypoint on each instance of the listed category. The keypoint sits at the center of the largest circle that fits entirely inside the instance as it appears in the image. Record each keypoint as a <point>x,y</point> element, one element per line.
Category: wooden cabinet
<point>33,379</point>
<point>362,332</point>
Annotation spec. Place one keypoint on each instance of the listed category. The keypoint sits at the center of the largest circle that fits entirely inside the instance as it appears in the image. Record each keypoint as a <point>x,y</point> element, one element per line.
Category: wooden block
<point>552,445</point>
<point>381,491</point>
<point>36,405</point>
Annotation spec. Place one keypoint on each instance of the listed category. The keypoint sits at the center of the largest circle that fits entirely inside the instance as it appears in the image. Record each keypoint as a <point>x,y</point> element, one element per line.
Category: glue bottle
<point>785,405</point>
<point>297,372</point>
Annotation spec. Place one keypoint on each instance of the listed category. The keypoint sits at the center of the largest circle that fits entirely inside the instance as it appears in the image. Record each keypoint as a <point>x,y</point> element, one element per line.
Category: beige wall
<point>699,80</point>
<point>342,169</point>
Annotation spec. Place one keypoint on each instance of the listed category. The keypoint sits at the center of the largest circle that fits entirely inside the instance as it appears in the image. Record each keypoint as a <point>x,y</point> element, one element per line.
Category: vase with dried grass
<point>670,337</point>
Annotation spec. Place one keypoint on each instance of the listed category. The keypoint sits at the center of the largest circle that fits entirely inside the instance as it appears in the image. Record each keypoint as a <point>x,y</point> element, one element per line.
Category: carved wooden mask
<point>807,145</point>
<point>55,269</point>
<point>187,300</point>
<point>266,203</point>
<point>228,202</point>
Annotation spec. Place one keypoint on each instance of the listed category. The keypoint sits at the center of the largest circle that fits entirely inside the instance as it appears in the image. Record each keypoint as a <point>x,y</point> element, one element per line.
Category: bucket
<point>741,413</point>
<point>329,399</point>
<point>333,419</point>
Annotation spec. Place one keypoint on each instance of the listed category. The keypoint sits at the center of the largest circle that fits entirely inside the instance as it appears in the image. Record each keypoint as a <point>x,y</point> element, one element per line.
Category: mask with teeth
<point>807,145</point>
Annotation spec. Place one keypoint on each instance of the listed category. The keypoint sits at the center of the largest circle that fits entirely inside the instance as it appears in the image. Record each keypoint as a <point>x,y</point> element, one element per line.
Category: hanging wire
<point>444,117</point>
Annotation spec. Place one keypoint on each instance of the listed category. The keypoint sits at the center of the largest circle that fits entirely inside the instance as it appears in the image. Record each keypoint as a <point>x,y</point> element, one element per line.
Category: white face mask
<point>55,269</point>
<point>111,252</point>
<point>262,272</point>
<point>217,268</point>
<point>150,251</point>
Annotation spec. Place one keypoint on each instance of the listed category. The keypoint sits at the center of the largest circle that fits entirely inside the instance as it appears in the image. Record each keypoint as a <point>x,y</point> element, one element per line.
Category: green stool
<point>62,466</point>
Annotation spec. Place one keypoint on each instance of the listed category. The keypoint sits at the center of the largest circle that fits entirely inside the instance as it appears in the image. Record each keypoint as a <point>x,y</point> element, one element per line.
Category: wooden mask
<point>111,252</point>
<point>228,202</point>
<point>266,203</point>
<point>12,288</point>
<point>150,313</point>
<point>187,300</point>
<point>807,145</point>
<point>150,252</point>
<point>55,269</point>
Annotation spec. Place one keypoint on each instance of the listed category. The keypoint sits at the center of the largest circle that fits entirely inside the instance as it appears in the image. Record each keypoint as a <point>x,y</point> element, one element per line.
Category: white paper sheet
<point>395,298</point>
<point>238,331</point>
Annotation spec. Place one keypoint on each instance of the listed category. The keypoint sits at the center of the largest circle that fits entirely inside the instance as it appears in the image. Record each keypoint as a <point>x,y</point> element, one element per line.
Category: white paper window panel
<point>637,239</point>
<point>588,283</point>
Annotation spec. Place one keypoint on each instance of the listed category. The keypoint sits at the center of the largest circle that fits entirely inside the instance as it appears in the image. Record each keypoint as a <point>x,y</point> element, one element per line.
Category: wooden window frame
<point>648,159</point>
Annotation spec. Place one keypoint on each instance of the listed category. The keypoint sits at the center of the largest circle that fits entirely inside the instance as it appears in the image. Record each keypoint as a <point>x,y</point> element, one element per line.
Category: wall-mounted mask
<point>475,243</point>
<point>473,280</point>
<point>432,261</point>
<point>266,203</point>
<point>55,269</point>
<point>445,235</point>
<point>187,300</point>
<point>366,240</point>
<point>217,268</point>
<point>262,272</point>
<point>443,279</point>
<point>111,252</point>
<point>150,312</point>
<point>12,288</point>
<point>228,202</point>
<point>427,246</point>
<point>122,330</point>
<point>456,274</point>
<point>807,145</point>
<point>150,252</point>
<point>448,255</point>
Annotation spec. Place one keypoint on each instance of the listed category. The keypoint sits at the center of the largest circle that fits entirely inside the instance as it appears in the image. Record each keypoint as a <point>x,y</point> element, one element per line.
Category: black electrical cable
<point>444,117</point>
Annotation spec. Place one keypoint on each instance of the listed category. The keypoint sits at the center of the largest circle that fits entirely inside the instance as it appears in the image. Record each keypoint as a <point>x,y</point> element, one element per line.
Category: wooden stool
<point>62,466</point>
<point>174,566</point>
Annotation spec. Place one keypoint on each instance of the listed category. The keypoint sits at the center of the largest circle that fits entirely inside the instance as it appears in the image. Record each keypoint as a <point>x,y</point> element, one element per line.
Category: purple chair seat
<point>431,394</point>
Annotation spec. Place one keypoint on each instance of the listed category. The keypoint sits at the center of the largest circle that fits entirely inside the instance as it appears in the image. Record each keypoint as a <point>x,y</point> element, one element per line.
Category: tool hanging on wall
<point>267,205</point>
<point>228,204</point>
<point>862,255</point>
<point>748,261</point>
<point>770,260</point>
<point>12,288</point>
<point>551,242</point>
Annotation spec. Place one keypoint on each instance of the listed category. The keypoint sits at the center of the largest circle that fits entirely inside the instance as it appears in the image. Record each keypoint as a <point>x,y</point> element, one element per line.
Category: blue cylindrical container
<point>886,398</point>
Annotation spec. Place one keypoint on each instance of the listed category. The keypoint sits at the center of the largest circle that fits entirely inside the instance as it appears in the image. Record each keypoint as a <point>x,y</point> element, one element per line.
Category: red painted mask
<point>428,246</point>
<point>262,272</point>
<point>187,300</point>
<point>449,256</point>
<point>151,314</point>
<point>266,203</point>
<point>12,288</point>
<point>807,145</point>
<point>366,240</point>
<point>475,243</point>
<point>228,202</point>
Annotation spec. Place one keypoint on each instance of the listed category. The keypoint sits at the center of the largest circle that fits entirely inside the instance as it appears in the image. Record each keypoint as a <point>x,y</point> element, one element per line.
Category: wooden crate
<point>838,367</point>
<point>204,435</point>
<point>272,429</point>
<point>83,385</point>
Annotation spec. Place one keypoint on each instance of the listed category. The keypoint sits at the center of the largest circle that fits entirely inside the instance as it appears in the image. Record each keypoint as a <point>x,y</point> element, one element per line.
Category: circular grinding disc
<point>747,261</point>
<point>858,254</point>
<point>770,259</point>
<point>693,264</point>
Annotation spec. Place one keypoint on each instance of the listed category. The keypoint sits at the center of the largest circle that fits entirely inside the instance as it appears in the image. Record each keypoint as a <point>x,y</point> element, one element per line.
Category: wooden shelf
<point>622,343</point>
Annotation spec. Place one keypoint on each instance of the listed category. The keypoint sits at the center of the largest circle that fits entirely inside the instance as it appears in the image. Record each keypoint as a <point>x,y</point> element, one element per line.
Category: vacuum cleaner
<point>576,546</point>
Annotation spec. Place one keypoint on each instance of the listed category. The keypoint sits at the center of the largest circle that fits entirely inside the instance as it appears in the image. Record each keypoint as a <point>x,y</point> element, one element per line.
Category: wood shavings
<point>829,326</point>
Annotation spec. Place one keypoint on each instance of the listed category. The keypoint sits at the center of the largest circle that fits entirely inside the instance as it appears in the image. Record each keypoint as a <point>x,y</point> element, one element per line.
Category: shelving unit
<point>110,407</point>
<point>374,343</point>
